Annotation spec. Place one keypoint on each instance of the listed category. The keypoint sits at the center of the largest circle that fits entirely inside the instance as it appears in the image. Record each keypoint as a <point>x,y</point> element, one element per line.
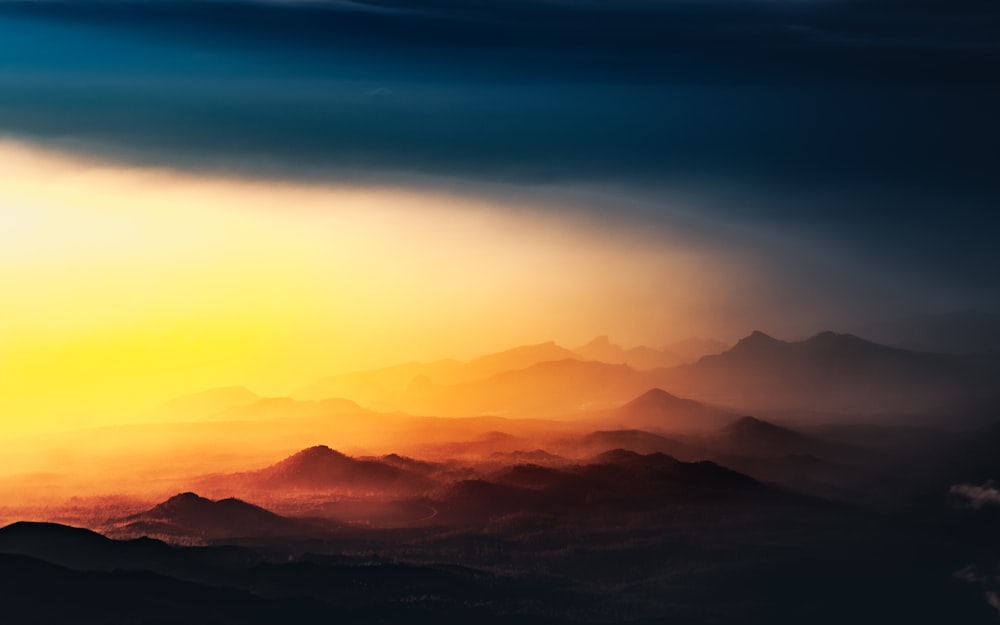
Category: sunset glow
<point>125,287</point>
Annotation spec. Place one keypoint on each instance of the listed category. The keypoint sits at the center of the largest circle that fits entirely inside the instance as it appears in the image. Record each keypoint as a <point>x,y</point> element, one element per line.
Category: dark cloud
<point>859,41</point>
<point>867,128</point>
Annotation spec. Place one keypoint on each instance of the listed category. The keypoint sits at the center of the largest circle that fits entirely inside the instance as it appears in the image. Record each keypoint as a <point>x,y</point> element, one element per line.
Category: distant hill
<point>627,479</point>
<point>689,350</point>
<point>514,359</point>
<point>638,441</point>
<point>394,387</point>
<point>320,468</point>
<point>612,483</point>
<point>603,350</point>
<point>544,379</point>
<point>544,389</point>
<point>659,410</point>
<point>829,372</point>
<point>752,434</point>
<point>189,515</point>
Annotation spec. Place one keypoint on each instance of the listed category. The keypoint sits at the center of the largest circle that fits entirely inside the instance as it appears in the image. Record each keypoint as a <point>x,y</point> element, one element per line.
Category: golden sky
<point>123,287</point>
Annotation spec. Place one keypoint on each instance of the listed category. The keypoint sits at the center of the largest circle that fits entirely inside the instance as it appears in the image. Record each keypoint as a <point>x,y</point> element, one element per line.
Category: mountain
<point>751,434</point>
<point>393,388</point>
<point>626,480</point>
<point>603,350</point>
<point>638,441</point>
<point>532,380</point>
<point>408,464</point>
<point>811,463</point>
<point>323,469</point>
<point>960,332</point>
<point>836,373</point>
<point>80,548</point>
<point>544,389</point>
<point>612,484</point>
<point>514,359</point>
<point>660,410</point>
<point>188,515</point>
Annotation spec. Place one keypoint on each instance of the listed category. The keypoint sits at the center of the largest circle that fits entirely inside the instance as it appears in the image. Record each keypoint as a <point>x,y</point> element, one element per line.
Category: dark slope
<point>37,592</point>
<point>81,548</point>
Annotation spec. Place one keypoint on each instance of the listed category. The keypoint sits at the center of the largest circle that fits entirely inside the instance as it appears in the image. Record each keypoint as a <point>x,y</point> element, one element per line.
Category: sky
<point>207,193</point>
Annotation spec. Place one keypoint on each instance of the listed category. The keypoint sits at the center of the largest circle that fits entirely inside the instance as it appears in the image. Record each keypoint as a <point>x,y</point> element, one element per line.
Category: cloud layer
<point>858,134</point>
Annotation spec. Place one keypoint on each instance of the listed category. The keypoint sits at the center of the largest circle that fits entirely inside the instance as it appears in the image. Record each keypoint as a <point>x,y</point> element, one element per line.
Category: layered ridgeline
<point>827,374</point>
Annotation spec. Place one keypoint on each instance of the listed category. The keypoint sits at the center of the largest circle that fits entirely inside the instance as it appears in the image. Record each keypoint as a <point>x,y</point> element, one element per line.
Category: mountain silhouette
<point>190,515</point>
<point>543,389</point>
<point>660,410</point>
<point>516,358</point>
<point>402,387</point>
<point>753,432</point>
<point>322,468</point>
<point>80,548</point>
<point>603,350</point>
<point>837,373</point>
<point>654,480</point>
<point>638,441</point>
<point>610,483</point>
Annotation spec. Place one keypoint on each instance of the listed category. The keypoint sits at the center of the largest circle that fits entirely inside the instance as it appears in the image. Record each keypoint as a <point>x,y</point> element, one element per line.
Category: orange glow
<point>125,286</point>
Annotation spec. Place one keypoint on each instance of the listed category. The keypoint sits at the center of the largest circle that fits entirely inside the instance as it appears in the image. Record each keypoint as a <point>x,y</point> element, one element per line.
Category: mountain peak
<point>830,336</point>
<point>185,498</point>
<point>315,458</point>
<point>756,340</point>
<point>318,451</point>
<point>654,398</point>
<point>599,341</point>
